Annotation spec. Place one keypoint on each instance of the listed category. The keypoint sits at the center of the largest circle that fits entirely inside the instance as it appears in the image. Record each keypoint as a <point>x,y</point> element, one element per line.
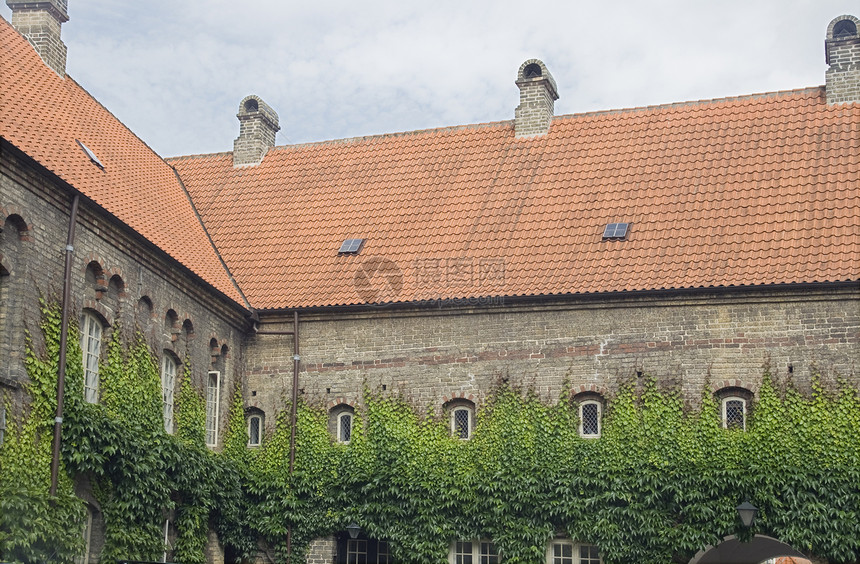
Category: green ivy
<point>661,482</point>
<point>33,526</point>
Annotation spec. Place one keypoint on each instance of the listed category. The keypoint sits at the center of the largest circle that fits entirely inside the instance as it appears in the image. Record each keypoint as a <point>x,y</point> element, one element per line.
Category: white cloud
<point>175,71</point>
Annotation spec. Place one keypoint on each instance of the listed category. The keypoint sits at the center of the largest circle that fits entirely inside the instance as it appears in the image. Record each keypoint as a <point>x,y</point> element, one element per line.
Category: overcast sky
<point>174,71</point>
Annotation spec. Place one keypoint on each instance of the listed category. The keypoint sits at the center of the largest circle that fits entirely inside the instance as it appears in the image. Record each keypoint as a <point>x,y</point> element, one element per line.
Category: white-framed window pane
<point>356,551</point>
<point>91,342</point>
<point>168,383</point>
<point>589,414</point>
<point>461,423</point>
<point>254,430</point>
<point>383,555</point>
<point>344,427</point>
<point>463,553</point>
<point>213,389</point>
<point>734,413</point>
<point>562,553</point>
<point>588,554</point>
<point>489,553</point>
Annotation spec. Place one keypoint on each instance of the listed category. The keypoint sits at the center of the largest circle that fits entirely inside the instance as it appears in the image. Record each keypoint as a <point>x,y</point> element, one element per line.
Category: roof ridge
<point>630,109</point>
<point>703,101</point>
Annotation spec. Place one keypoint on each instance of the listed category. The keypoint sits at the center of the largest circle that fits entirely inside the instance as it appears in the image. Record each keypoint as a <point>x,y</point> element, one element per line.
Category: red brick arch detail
<point>341,401</point>
<point>733,383</point>
<point>25,233</point>
<point>589,388</point>
<point>460,395</point>
<point>100,309</point>
<point>110,273</point>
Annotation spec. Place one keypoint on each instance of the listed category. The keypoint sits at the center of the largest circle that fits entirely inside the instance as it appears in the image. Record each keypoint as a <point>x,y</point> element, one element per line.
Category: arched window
<point>213,401</point>
<point>344,427</point>
<point>734,407</point>
<point>461,422</point>
<point>168,384</point>
<point>590,418</point>
<point>255,430</point>
<point>91,343</point>
<point>734,412</point>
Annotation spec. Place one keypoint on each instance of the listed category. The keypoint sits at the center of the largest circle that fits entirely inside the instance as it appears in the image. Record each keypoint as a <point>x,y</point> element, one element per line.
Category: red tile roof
<point>756,190</point>
<point>43,115</point>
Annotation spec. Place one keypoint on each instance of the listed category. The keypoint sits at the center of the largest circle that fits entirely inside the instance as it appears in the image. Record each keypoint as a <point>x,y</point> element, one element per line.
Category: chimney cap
<point>534,70</point>
<point>842,27</point>
<point>252,106</point>
<point>58,8</point>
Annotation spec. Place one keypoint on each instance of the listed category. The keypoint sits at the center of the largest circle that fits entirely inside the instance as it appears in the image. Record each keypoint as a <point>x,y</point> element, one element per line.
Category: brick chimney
<point>842,50</point>
<point>258,124</point>
<point>40,23</point>
<point>538,94</point>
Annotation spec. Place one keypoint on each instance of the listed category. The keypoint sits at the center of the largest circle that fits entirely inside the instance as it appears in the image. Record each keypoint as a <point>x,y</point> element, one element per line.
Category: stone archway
<point>733,551</point>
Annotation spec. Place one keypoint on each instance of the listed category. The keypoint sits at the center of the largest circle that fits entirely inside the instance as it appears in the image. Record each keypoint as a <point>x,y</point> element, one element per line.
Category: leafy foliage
<point>660,483</point>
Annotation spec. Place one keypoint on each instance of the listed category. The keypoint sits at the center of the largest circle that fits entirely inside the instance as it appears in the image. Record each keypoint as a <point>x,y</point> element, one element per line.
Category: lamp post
<point>747,512</point>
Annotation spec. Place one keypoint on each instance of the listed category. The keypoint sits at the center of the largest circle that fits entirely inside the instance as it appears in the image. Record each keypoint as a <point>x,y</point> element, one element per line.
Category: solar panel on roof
<point>351,247</point>
<point>615,231</point>
<point>90,154</point>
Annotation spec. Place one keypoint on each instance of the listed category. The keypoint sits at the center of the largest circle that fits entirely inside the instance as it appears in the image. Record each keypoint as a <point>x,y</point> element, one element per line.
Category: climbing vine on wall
<point>661,482</point>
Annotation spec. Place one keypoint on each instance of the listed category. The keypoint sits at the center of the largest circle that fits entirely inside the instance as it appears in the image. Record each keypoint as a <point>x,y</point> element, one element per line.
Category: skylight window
<point>95,160</point>
<point>351,247</point>
<point>616,231</point>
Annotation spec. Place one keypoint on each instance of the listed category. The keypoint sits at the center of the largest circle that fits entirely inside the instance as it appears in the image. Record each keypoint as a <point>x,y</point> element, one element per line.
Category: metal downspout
<point>293,405</point>
<point>64,336</point>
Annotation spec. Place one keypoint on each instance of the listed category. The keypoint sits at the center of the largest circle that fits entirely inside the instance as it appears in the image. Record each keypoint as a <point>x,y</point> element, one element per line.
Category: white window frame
<point>356,551</point>
<point>339,430</point>
<point>724,405</point>
<point>168,386</point>
<point>213,401</point>
<point>477,553</point>
<point>575,551</point>
<point>259,419</point>
<point>92,333</point>
<point>469,422</point>
<point>581,407</point>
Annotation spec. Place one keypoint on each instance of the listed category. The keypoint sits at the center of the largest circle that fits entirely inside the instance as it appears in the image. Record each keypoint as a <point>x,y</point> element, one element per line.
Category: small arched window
<point>255,430</point>
<point>734,412</point>
<point>461,422</point>
<point>590,418</point>
<point>168,384</point>
<point>91,343</point>
<point>344,427</point>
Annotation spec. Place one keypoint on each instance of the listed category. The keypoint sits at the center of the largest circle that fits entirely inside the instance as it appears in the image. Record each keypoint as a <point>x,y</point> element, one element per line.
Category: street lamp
<point>747,512</point>
<point>353,530</point>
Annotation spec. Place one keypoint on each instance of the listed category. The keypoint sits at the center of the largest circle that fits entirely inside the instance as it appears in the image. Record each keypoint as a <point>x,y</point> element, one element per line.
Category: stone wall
<point>434,355</point>
<point>115,274</point>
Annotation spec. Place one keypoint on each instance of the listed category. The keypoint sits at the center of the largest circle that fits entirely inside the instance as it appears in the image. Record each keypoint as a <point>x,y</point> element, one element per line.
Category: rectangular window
<point>588,554</point>
<point>2,420</point>
<point>91,342</point>
<point>463,553</point>
<point>168,383</point>
<point>382,554</point>
<point>473,552</point>
<point>213,397</point>
<point>489,553</point>
<point>356,551</point>
<point>564,551</point>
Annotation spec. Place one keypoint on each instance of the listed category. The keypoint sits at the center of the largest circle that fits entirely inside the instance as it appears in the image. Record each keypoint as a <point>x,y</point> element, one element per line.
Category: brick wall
<point>433,355</point>
<point>322,551</point>
<point>131,283</point>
